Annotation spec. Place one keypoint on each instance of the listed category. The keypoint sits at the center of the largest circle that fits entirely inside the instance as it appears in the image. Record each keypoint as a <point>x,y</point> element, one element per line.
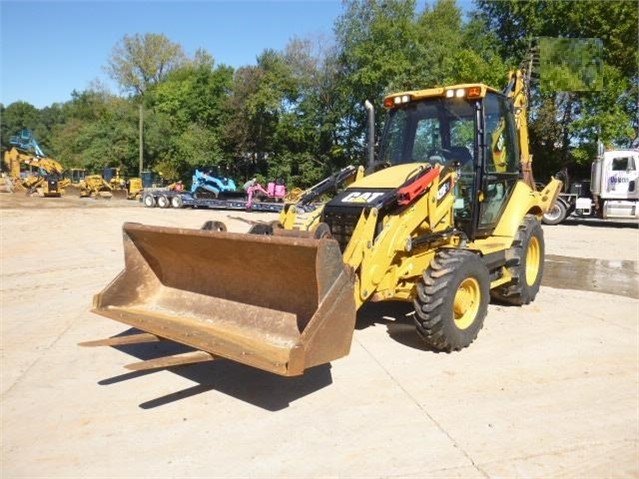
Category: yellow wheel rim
<point>533,261</point>
<point>466,304</point>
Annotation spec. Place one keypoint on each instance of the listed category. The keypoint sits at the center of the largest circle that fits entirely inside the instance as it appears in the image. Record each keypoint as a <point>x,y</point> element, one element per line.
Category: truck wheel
<point>556,214</point>
<point>526,257</point>
<point>148,200</point>
<point>177,201</point>
<point>163,201</point>
<point>452,300</point>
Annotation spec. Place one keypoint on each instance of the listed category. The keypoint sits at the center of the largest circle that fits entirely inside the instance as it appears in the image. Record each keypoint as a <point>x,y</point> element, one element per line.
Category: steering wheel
<point>440,155</point>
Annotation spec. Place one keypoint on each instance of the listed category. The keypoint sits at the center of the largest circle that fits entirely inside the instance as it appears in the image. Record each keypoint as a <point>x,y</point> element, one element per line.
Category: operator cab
<point>468,128</point>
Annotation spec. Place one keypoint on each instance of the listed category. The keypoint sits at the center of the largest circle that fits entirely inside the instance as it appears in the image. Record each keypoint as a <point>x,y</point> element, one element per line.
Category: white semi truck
<point>614,190</point>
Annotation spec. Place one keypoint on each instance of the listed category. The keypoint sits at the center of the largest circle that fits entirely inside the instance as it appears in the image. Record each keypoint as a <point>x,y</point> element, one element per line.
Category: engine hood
<point>391,177</point>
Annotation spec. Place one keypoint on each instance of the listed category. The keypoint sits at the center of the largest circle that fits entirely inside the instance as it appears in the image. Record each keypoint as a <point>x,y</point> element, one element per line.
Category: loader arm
<point>378,251</point>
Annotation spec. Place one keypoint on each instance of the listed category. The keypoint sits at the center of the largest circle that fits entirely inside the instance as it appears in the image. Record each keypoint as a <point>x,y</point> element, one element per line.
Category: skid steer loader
<point>447,217</point>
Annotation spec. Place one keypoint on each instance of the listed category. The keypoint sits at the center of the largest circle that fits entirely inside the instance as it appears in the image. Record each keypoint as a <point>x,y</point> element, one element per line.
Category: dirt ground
<point>547,390</point>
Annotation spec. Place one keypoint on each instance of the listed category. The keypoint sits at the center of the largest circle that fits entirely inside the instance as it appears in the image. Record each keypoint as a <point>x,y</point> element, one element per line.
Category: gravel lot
<point>548,390</point>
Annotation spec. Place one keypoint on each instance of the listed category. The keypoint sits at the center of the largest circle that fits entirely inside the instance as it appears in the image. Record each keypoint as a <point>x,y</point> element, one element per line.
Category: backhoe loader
<point>446,217</point>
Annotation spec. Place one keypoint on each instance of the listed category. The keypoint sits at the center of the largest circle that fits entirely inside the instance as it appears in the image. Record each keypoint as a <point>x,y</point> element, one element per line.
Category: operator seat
<point>461,154</point>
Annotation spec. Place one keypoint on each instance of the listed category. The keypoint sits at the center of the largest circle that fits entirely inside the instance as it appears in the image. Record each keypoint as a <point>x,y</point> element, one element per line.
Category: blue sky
<point>50,48</point>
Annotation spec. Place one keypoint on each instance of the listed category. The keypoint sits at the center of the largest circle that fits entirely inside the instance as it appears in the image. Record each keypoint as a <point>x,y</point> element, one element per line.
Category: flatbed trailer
<point>165,198</point>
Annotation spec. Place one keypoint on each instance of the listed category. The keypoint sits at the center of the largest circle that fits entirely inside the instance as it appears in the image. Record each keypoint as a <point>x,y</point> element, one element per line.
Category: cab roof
<point>464,90</point>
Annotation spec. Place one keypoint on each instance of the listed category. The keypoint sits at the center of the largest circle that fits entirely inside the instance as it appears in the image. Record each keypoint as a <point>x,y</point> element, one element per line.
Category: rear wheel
<point>526,257</point>
<point>452,300</point>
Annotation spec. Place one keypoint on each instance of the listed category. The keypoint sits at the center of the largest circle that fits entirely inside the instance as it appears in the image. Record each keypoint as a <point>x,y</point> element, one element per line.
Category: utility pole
<point>141,123</point>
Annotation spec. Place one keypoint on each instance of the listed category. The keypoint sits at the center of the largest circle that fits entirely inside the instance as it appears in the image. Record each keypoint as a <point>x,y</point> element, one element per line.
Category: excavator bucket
<point>281,304</point>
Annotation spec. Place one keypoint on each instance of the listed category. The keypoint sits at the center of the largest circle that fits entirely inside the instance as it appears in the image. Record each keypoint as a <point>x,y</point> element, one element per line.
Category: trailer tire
<point>526,265</point>
<point>451,300</point>
<point>177,201</point>
<point>556,214</point>
<point>148,200</point>
<point>163,201</point>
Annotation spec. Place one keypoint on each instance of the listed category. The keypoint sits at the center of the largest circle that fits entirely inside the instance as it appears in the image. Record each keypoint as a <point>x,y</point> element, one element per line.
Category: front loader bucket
<point>120,194</point>
<point>280,304</point>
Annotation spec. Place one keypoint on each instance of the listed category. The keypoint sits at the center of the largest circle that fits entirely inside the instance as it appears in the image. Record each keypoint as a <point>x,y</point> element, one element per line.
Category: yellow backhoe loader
<point>446,217</point>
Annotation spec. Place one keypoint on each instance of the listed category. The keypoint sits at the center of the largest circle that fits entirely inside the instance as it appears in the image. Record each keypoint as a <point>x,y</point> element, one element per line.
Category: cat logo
<point>445,188</point>
<point>361,197</point>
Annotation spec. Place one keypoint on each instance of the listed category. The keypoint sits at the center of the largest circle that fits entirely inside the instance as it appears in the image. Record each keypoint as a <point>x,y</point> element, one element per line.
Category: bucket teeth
<point>123,340</point>
<point>174,360</point>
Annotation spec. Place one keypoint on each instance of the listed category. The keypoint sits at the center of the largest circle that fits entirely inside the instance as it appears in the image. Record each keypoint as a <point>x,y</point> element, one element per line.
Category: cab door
<point>499,162</point>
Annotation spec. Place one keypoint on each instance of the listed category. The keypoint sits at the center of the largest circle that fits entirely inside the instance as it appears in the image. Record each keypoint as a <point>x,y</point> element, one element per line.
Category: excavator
<point>42,175</point>
<point>445,217</point>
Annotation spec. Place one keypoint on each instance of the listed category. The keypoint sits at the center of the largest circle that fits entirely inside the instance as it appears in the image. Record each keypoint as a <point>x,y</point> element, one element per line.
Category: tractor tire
<point>452,300</point>
<point>526,264</point>
<point>556,214</point>
<point>148,201</point>
<point>322,231</point>
<point>164,201</point>
<point>261,229</point>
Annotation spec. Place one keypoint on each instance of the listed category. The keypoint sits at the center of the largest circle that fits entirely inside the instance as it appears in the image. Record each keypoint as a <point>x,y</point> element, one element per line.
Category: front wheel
<point>556,214</point>
<point>526,260</point>
<point>452,300</point>
<point>212,225</point>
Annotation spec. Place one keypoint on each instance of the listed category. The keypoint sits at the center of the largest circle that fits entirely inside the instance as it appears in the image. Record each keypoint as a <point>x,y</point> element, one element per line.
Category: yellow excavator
<point>31,170</point>
<point>446,217</point>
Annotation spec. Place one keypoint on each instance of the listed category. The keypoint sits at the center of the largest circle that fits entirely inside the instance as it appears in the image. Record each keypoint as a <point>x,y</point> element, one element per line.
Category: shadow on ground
<point>260,388</point>
<point>257,387</point>
<point>398,317</point>
<point>597,222</point>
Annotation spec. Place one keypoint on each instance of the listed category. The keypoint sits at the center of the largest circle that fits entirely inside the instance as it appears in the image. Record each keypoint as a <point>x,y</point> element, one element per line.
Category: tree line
<point>299,114</point>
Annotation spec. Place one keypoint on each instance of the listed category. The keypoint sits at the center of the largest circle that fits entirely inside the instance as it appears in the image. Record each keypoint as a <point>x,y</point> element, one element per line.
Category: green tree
<point>94,130</point>
<point>260,96</point>
<point>386,46</point>
<point>15,117</point>
<point>611,114</point>
<point>140,61</point>
<point>378,51</point>
<point>188,111</point>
